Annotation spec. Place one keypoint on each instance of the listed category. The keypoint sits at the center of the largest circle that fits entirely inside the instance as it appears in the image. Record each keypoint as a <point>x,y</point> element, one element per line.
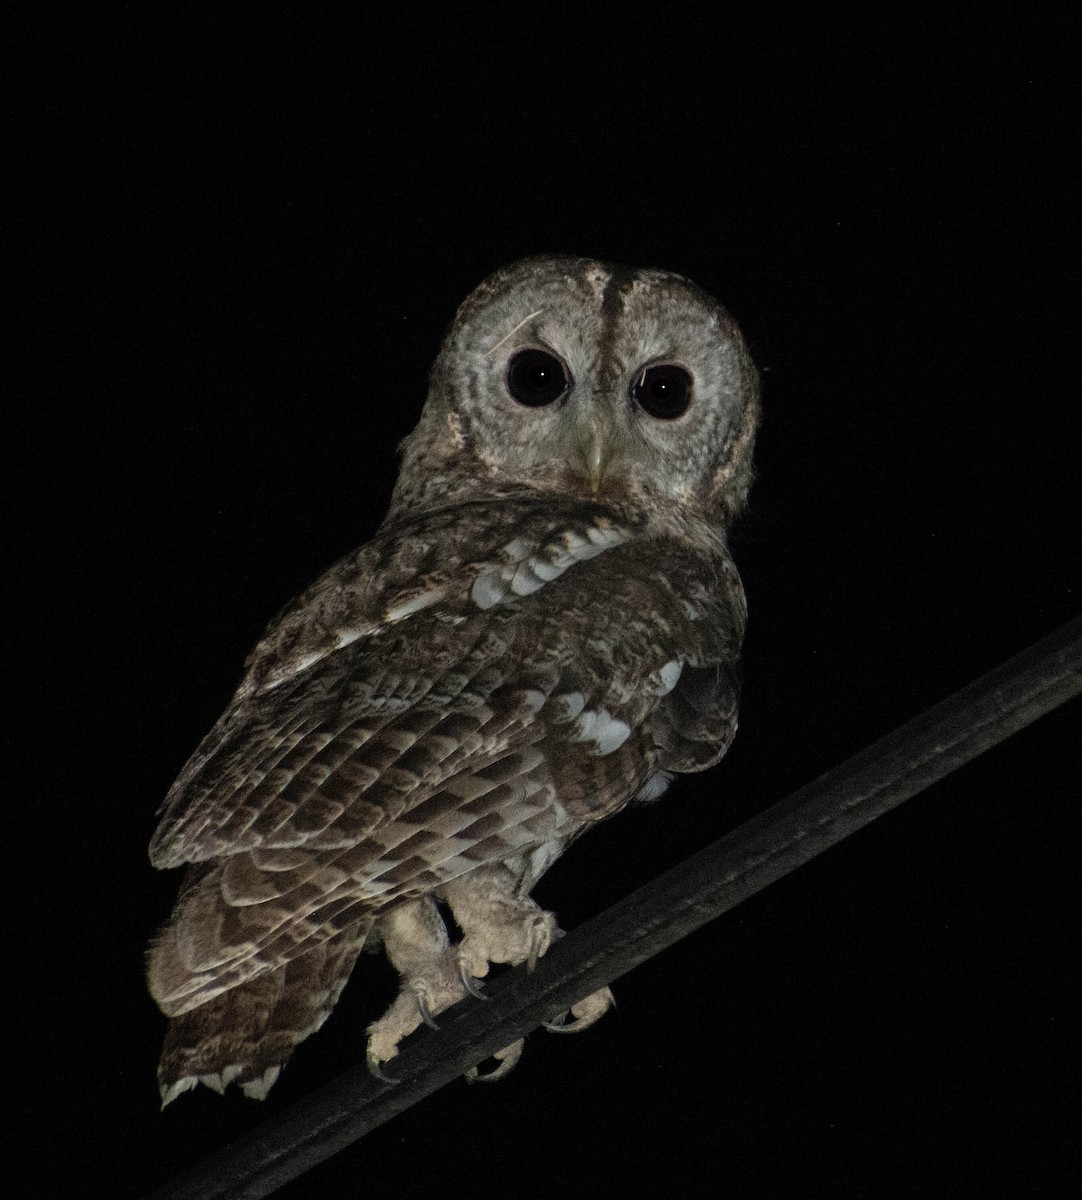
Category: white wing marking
<point>608,733</point>
<point>528,569</point>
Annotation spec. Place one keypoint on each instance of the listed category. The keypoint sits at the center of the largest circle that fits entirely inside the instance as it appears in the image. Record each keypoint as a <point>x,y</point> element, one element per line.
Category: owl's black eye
<point>536,378</point>
<point>663,391</point>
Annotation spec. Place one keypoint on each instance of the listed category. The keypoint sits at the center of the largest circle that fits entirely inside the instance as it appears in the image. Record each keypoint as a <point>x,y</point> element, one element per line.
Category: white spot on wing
<point>527,572</point>
<point>654,786</point>
<point>605,539</point>
<point>297,666</point>
<point>545,570</point>
<point>293,667</point>
<point>607,732</point>
<point>573,703</point>
<point>407,607</point>
<point>488,590</point>
<point>524,581</point>
<point>670,673</point>
<point>517,549</point>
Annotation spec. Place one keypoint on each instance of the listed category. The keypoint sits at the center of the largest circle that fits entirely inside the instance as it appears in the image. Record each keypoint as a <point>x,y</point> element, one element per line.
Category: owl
<point>545,628</point>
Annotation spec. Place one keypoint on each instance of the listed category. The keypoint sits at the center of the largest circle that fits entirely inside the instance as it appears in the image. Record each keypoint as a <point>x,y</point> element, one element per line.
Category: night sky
<point>238,244</point>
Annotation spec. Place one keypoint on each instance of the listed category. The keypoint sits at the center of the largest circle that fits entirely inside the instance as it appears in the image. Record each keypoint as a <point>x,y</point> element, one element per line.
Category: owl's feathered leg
<point>415,938</point>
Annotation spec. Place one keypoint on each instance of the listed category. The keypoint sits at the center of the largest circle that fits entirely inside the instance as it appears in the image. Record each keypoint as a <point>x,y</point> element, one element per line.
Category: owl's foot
<point>423,995</point>
<point>499,925</point>
<point>584,1013</point>
<point>415,938</point>
<point>524,936</point>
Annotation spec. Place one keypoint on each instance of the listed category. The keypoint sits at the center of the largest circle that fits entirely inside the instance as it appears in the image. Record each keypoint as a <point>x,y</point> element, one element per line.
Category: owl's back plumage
<point>545,628</point>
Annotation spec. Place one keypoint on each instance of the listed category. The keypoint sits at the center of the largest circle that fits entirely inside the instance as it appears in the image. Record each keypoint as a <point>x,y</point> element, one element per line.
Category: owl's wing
<point>695,724</point>
<point>498,719</point>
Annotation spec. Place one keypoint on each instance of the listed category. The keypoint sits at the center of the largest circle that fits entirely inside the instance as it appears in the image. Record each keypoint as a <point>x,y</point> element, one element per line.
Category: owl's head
<point>589,379</point>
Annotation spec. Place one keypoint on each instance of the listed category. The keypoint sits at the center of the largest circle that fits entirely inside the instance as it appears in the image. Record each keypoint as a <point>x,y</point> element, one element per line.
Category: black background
<point>239,243</point>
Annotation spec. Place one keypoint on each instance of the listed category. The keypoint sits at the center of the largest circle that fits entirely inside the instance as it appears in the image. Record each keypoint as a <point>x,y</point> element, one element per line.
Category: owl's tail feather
<point>245,1035</point>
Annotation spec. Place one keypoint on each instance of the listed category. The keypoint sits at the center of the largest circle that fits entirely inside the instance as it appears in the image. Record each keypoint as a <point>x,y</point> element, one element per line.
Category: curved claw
<point>543,937</point>
<point>376,1072</point>
<point>561,1024</point>
<point>471,983</point>
<point>585,1013</point>
<point>425,1011</point>
<point>508,1057</point>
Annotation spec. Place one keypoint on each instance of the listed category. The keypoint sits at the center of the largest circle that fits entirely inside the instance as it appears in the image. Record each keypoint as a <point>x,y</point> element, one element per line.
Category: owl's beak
<point>596,459</point>
<point>592,450</point>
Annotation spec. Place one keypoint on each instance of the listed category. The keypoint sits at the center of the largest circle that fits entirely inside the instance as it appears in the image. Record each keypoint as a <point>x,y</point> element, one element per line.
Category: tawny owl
<point>545,628</point>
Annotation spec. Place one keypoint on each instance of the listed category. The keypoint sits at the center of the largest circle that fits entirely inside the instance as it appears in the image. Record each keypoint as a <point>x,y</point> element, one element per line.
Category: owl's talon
<point>545,937</point>
<point>471,967</point>
<point>543,932</point>
<point>376,1071</point>
<point>425,1011</point>
<point>508,1058</point>
<point>585,1012</point>
<point>561,1024</point>
<point>475,987</point>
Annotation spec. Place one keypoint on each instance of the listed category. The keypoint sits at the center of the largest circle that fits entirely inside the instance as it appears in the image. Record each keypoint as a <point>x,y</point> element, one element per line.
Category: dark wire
<point>662,912</point>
